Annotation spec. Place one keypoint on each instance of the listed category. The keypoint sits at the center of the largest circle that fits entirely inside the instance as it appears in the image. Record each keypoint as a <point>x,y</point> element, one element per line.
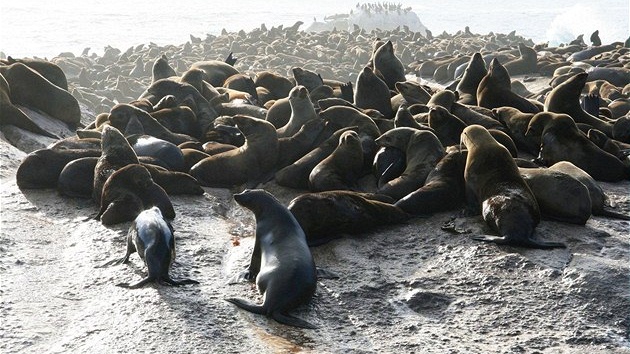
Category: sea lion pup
<point>561,140</point>
<point>302,111</point>
<point>389,163</point>
<point>153,238</point>
<point>388,66</point>
<point>372,92</point>
<point>297,174</point>
<point>41,168</point>
<point>251,163</point>
<point>598,198</point>
<point>495,91</point>
<point>324,216</point>
<point>495,187</point>
<point>129,191</point>
<point>115,154</point>
<point>571,205</point>
<point>467,86</point>
<point>404,118</point>
<point>565,98</point>
<point>29,88</point>
<point>10,114</point>
<point>161,69</point>
<point>443,189</point>
<point>611,146</point>
<point>423,151</point>
<point>281,262</point>
<point>517,122</point>
<point>216,71</point>
<point>525,64</point>
<point>342,168</point>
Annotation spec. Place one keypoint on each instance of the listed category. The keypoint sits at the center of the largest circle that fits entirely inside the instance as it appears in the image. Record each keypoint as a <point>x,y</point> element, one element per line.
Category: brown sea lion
<point>495,187</point>
<point>251,162</point>
<point>388,66</point>
<point>562,141</point>
<point>115,154</point>
<point>342,168</point>
<point>372,92</point>
<point>495,91</point>
<point>324,216</point>
<point>41,168</point>
<point>423,151</point>
<point>467,86</point>
<point>301,143</point>
<point>525,64</point>
<point>302,111</point>
<point>216,71</point>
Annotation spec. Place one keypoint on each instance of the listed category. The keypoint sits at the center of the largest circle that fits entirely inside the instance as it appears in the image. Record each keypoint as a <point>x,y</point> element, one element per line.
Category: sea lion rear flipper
<point>257,309</point>
<point>543,244</point>
<point>614,215</point>
<point>179,282</point>
<point>139,284</point>
<point>326,274</point>
<point>291,321</point>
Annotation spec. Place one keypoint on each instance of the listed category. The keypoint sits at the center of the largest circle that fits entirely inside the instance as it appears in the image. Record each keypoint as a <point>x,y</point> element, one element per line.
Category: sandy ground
<point>409,288</point>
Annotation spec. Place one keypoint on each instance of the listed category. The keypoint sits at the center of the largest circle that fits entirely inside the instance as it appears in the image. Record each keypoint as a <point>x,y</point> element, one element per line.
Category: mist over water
<point>45,29</point>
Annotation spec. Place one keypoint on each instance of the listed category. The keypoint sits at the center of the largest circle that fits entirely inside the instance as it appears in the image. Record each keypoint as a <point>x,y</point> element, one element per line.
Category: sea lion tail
<point>257,309</point>
<point>291,321</point>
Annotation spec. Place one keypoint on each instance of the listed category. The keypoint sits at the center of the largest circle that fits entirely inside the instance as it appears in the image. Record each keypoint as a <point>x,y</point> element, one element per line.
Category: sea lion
<point>173,182</point>
<point>281,262</point>
<point>372,92</point>
<point>447,127</point>
<point>412,92</point>
<point>161,69</point>
<point>293,148</point>
<point>342,168</point>
<point>169,153</point>
<point>278,86</point>
<point>129,191</point>
<point>302,111</point>
<point>297,174</point>
<point>51,71</point>
<point>495,91</point>
<point>29,88</point>
<point>10,114</point>
<point>307,78</point>
<point>324,216</point>
<point>251,162</point>
<point>562,141</point>
<point>423,151</point>
<point>517,122</point>
<point>598,198</point>
<point>525,64</point>
<point>443,189</point>
<point>571,205</point>
<point>467,86</point>
<point>216,72</point>
<point>153,238</point>
<point>115,154</point>
<point>495,187</point>
<point>180,119</point>
<point>41,168</point>
<point>388,66</point>
<point>243,83</point>
<point>77,178</point>
<point>565,98</point>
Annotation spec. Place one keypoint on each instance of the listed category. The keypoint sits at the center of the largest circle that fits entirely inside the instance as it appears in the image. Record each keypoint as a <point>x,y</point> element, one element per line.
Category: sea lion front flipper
<point>489,238</point>
<point>291,321</point>
<point>326,274</point>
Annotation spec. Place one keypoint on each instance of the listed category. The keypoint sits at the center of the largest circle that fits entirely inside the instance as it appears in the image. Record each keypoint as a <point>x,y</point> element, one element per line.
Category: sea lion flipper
<point>543,244</point>
<point>114,262</point>
<point>612,214</point>
<point>489,238</point>
<point>257,309</point>
<point>139,284</point>
<point>179,282</point>
<point>326,274</point>
<point>291,321</point>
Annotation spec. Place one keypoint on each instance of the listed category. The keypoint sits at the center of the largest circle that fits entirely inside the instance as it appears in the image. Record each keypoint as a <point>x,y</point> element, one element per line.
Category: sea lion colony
<point>334,113</point>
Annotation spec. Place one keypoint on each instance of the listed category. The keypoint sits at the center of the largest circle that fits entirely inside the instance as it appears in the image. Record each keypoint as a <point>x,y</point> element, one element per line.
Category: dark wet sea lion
<point>77,178</point>
<point>153,238</point>
<point>281,263</point>
<point>169,153</point>
<point>467,86</point>
<point>372,92</point>
<point>325,215</point>
<point>494,187</point>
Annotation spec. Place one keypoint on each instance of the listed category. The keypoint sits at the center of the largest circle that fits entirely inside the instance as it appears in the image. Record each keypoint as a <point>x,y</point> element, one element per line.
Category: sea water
<point>46,28</point>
